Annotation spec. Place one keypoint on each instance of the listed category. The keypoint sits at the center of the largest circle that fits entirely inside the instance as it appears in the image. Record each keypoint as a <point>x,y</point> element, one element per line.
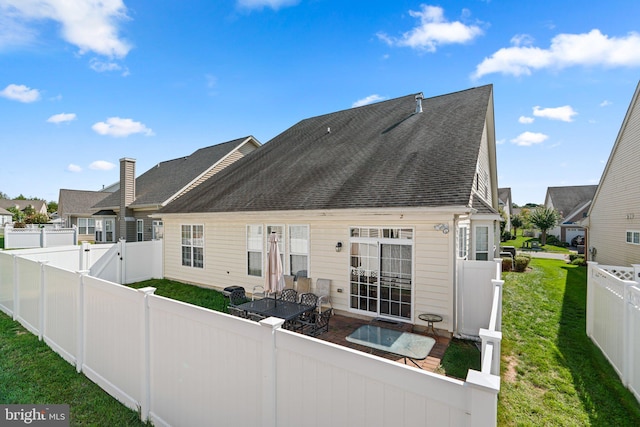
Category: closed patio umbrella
<point>275,273</point>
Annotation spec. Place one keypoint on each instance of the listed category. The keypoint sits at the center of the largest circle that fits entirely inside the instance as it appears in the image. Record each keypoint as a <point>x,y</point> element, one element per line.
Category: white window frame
<point>296,247</point>
<point>194,244</point>
<point>157,230</point>
<point>633,237</point>
<point>479,250</point>
<point>255,245</point>
<point>139,230</point>
<point>87,226</point>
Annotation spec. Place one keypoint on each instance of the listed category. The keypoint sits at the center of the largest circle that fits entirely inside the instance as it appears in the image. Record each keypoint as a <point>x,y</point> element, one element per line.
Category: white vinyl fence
<point>613,318</point>
<point>35,237</point>
<point>182,365</point>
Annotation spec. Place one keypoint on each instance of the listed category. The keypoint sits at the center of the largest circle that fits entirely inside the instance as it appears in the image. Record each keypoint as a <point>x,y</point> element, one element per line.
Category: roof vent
<point>419,98</point>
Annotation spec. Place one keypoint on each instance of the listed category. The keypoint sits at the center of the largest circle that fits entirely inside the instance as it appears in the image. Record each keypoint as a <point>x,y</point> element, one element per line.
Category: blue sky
<point>85,83</point>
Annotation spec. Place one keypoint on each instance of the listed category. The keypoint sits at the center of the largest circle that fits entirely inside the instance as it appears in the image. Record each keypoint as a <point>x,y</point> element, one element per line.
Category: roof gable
<point>378,155</point>
<point>167,179</point>
<point>79,202</point>
<point>568,199</point>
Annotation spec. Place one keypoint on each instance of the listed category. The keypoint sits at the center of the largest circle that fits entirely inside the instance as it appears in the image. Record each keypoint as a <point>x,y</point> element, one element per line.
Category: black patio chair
<point>234,311</point>
<point>237,297</point>
<point>290,295</point>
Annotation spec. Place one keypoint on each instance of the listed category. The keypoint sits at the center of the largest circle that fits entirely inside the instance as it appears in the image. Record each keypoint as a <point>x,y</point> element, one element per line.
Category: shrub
<point>19,224</point>
<point>579,260</point>
<point>521,263</point>
<point>507,264</point>
<point>528,233</point>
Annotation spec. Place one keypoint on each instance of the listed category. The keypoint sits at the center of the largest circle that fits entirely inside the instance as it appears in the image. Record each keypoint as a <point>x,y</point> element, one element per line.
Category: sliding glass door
<point>381,281</point>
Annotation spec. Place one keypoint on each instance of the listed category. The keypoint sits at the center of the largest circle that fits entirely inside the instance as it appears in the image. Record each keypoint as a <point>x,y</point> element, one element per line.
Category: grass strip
<point>552,374</point>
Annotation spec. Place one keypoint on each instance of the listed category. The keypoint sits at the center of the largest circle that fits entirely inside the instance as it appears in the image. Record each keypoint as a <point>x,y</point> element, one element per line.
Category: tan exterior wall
<point>225,257</point>
<point>482,186</point>
<point>616,207</point>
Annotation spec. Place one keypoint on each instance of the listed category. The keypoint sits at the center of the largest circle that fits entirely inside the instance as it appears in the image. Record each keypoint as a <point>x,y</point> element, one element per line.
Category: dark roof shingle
<point>375,156</point>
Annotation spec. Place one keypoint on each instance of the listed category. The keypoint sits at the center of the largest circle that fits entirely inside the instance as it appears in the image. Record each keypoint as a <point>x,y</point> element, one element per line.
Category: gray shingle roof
<point>163,181</point>
<point>567,199</point>
<point>378,155</point>
<point>79,202</point>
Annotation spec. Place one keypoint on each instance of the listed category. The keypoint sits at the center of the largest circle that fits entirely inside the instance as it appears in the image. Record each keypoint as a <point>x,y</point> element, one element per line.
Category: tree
<point>544,219</point>
<point>52,207</point>
<point>37,218</point>
<point>18,215</point>
<point>516,222</point>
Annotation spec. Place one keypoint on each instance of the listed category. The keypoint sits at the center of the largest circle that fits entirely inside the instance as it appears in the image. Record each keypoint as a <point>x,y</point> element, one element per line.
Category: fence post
<point>269,364</point>
<point>16,300</point>
<point>122,265</point>
<point>145,398</point>
<point>591,265</point>
<point>85,253</point>
<point>42,308</point>
<point>495,338</point>
<point>81,320</point>
<point>483,390</point>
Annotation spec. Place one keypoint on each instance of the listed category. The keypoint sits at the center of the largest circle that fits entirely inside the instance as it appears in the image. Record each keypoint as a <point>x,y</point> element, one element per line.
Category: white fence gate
<point>184,365</point>
<point>613,318</point>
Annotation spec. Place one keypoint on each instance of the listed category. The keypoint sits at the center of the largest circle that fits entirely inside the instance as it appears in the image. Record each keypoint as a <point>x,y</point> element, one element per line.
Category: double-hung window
<point>193,246</point>
<point>140,230</point>
<point>299,250</point>
<point>86,226</point>
<point>633,237</point>
<point>482,243</point>
<point>254,250</point>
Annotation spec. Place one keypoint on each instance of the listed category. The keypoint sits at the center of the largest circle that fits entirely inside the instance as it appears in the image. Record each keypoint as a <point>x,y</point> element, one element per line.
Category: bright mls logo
<point>37,415</point>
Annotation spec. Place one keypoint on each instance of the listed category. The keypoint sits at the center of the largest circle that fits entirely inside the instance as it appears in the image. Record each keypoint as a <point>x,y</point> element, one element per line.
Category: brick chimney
<point>127,196</point>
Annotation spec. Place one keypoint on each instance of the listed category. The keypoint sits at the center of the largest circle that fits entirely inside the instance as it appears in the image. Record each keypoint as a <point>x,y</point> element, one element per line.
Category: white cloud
<point>368,100</point>
<point>118,127</point>
<point>526,120</point>
<point>20,93</point>
<point>101,165</point>
<point>566,50</point>
<point>74,168</point>
<point>61,118</point>
<point>259,4</point>
<point>527,139</point>
<point>434,30</point>
<point>102,66</point>
<point>605,103</point>
<point>564,113</point>
<point>88,24</point>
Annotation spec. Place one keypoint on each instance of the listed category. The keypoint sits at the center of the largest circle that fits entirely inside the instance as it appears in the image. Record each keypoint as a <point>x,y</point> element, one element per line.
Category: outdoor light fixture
<point>338,246</point>
<point>442,227</point>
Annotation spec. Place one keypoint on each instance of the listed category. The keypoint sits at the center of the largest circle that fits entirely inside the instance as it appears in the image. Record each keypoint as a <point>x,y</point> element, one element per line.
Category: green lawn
<point>520,239</point>
<point>552,374</point>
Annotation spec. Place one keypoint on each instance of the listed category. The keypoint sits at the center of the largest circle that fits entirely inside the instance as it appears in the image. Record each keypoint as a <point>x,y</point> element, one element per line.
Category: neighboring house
<point>384,200</point>
<point>614,216</point>
<point>6,217</point>
<point>40,206</point>
<point>75,208</point>
<point>572,203</point>
<point>128,209</point>
<point>505,203</point>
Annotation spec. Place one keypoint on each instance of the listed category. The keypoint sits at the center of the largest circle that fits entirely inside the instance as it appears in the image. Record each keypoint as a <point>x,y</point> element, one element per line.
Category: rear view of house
<point>383,200</point>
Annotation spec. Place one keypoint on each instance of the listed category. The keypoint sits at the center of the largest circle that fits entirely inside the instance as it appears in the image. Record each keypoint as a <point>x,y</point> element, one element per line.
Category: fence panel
<point>6,283</point>
<point>61,304</point>
<point>205,366</point>
<point>143,261</point>
<point>475,295</point>
<point>634,337</point>
<point>28,295</point>
<point>113,338</point>
<point>608,317</point>
<point>325,384</point>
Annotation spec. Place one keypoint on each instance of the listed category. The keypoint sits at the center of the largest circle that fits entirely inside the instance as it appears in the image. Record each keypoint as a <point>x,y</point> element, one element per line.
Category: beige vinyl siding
<point>616,207</point>
<point>225,254</point>
<point>482,184</point>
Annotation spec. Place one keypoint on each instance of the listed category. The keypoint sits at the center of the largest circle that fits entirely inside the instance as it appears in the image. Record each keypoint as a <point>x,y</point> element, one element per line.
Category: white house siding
<point>616,206</point>
<point>225,255</point>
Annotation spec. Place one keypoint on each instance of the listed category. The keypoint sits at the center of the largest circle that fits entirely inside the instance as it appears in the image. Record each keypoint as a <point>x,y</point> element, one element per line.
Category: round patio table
<point>430,319</point>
